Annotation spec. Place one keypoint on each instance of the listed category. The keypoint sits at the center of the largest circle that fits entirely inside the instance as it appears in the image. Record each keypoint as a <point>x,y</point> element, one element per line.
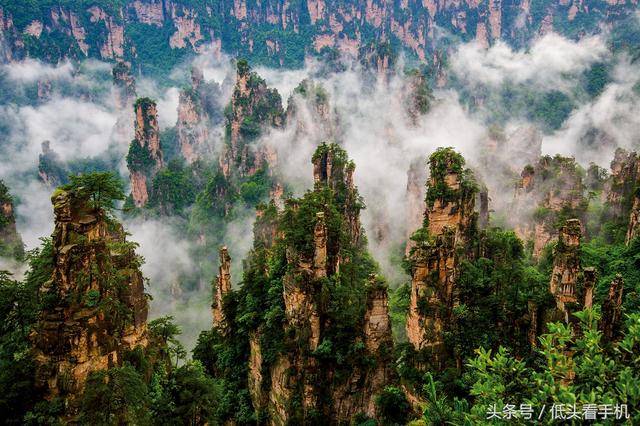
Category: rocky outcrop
<point>589,283</point>
<point>313,366</point>
<point>326,27</point>
<point>96,309</point>
<point>566,267</point>
<point>612,309</point>
<point>193,119</point>
<point>619,189</point>
<point>10,241</point>
<point>417,95</point>
<point>547,194</point>
<point>440,247</point>
<point>221,287</point>
<point>144,159</point>
<point>414,196</point>
<point>633,229</point>
<point>309,112</point>
<point>124,85</point>
<point>253,107</point>
<point>51,169</point>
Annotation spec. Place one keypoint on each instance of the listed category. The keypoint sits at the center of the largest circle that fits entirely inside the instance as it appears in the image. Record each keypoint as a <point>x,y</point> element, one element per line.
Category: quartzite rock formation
<point>10,241</point>
<point>566,267</point>
<point>612,309</point>
<point>193,119</point>
<point>222,286</point>
<point>304,381</point>
<point>145,156</point>
<point>287,33</point>
<point>435,260</point>
<point>253,106</point>
<point>547,193</point>
<point>97,307</point>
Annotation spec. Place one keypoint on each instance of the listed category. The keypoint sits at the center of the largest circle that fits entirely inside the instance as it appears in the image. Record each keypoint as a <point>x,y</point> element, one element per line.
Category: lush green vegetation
<point>10,242</point>
<point>101,189</point>
<point>257,309</point>
<point>601,373</point>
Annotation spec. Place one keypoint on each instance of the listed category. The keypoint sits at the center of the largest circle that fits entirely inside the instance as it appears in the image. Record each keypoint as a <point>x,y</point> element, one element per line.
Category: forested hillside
<point>155,35</point>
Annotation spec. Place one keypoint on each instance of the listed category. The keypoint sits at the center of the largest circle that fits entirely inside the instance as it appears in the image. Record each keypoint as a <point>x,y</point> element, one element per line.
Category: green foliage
<point>173,189</point>
<point>612,259</point>
<point>398,310</point>
<point>552,109</point>
<point>495,289</point>
<point>11,245</point>
<point>574,369</point>
<point>18,309</point>
<point>101,189</point>
<point>163,332</point>
<point>139,157</point>
<point>441,163</point>
<point>596,78</point>
<point>115,396</point>
<point>188,396</point>
<point>392,406</point>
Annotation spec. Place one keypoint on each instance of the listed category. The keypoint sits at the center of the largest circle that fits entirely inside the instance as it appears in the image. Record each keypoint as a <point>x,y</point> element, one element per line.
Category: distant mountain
<point>156,34</point>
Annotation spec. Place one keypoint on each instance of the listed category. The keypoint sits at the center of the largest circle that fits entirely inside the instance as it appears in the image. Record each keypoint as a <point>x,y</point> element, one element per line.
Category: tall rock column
<point>192,119</point>
<point>332,168</point>
<point>306,380</point>
<point>450,220</point>
<point>619,188</point>
<point>124,94</point>
<point>612,309</point>
<point>566,266</point>
<point>144,159</point>
<point>633,229</point>
<point>222,286</point>
<point>10,241</point>
<point>590,276</point>
<point>253,107</point>
<point>415,207</point>
<point>124,85</point>
<point>97,307</point>
<point>547,191</point>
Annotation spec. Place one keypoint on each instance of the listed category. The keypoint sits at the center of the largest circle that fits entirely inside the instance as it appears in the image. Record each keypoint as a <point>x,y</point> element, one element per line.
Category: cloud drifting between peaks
<point>548,64</point>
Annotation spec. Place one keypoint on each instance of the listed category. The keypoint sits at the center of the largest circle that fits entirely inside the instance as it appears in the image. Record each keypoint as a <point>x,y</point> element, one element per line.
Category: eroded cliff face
<point>612,309</point>
<point>196,105</point>
<point>145,156</point>
<point>96,307</point>
<point>221,287</point>
<point>112,31</point>
<point>309,111</point>
<point>414,196</point>
<point>566,267</point>
<point>619,188</point>
<point>547,194</point>
<point>10,241</point>
<point>307,251</point>
<point>621,194</point>
<point>124,85</point>
<point>51,169</point>
<point>633,229</point>
<point>253,107</point>
<point>440,247</point>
